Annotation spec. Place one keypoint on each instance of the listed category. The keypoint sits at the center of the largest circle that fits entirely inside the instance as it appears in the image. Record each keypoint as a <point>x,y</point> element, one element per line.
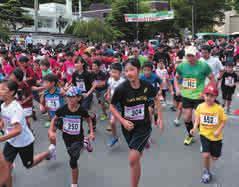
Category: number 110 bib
<point>134,112</point>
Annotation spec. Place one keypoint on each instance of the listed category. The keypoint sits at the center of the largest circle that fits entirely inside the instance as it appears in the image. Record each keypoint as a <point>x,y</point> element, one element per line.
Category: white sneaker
<point>176,122</point>
<point>52,151</point>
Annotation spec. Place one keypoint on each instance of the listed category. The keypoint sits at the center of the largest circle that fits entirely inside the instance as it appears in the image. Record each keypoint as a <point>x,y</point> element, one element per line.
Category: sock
<point>189,126</point>
<point>74,185</point>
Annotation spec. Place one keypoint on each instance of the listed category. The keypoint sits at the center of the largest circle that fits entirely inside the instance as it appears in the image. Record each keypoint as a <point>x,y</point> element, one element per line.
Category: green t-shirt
<point>193,78</point>
<point>46,72</point>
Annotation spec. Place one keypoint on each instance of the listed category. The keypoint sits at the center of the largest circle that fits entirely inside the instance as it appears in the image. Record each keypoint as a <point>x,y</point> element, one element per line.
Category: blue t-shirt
<point>154,80</point>
<point>53,101</point>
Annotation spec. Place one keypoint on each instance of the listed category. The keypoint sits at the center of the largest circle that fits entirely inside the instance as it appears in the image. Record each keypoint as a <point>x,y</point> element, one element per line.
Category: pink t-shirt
<point>68,69</point>
<point>7,69</point>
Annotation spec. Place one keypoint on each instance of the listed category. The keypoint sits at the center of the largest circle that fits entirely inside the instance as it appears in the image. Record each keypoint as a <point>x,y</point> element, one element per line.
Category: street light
<point>137,23</point>
<point>36,15</point>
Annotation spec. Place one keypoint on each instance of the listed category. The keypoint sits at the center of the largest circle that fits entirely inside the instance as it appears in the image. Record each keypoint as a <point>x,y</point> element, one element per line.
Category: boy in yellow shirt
<point>211,119</point>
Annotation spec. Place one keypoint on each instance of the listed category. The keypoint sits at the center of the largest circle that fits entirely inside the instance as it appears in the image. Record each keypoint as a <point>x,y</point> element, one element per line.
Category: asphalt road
<point>168,163</point>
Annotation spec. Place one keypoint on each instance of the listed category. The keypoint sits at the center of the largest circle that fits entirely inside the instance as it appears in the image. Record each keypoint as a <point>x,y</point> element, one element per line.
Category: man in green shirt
<point>136,54</point>
<point>193,74</point>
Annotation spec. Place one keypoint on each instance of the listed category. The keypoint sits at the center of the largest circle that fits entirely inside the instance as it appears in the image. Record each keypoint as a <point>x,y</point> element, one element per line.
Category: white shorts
<point>28,112</point>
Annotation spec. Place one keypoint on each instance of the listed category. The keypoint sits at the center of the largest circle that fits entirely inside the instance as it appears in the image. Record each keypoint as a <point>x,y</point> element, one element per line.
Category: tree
<point>14,15</point>
<point>94,30</point>
<point>236,5</point>
<point>116,17</point>
<point>4,32</point>
<point>207,13</point>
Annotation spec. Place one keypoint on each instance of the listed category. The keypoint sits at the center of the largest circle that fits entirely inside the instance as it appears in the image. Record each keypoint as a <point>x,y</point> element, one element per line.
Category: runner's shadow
<point>54,166</point>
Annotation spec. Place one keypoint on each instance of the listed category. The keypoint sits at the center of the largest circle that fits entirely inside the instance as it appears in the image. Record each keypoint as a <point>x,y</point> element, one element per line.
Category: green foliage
<point>4,32</point>
<point>94,30</point>
<point>207,13</point>
<point>116,18</point>
<point>16,17</point>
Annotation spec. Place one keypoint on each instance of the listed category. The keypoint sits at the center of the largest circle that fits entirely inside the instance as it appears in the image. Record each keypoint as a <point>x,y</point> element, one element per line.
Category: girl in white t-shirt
<point>18,137</point>
<point>162,73</point>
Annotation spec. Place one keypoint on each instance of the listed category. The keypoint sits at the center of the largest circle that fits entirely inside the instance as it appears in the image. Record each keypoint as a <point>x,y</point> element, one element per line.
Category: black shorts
<point>135,139</point>
<point>191,103</point>
<point>177,98</point>
<point>26,154</point>
<point>212,147</point>
<point>74,149</point>
<point>86,102</point>
<point>226,95</point>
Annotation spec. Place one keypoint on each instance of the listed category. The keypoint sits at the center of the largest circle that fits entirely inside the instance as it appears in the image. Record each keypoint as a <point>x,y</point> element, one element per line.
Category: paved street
<point>168,163</point>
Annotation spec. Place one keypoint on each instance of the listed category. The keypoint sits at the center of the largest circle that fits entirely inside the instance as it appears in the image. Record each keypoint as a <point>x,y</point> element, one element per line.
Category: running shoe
<point>188,140</point>
<point>113,141</point>
<point>47,124</point>
<point>108,128</point>
<point>87,145</point>
<point>103,117</point>
<point>1,132</point>
<point>176,122</point>
<point>206,176</point>
<point>173,108</point>
<point>52,151</point>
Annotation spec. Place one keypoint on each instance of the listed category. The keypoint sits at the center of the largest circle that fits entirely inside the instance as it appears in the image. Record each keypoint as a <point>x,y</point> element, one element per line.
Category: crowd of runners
<point>132,83</point>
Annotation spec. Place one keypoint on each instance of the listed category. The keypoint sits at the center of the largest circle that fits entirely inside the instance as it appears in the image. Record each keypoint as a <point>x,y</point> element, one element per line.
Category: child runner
<point>100,85</point>
<point>69,119</point>
<point>228,85</point>
<point>162,73</point>
<point>52,99</point>
<point>24,94</point>
<point>211,119</point>
<point>18,136</point>
<point>45,67</point>
<point>133,96</point>
<point>114,81</point>
<point>82,79</point>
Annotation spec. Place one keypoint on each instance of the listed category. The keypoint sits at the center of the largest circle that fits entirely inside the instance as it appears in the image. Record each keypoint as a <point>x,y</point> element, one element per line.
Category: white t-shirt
<point>113,84</point>
<point>215,65</point>
<point>14,113</point>
<point>163,75</point>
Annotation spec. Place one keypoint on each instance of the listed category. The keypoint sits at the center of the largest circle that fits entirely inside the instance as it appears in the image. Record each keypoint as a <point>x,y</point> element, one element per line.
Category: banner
<point>149,17</point>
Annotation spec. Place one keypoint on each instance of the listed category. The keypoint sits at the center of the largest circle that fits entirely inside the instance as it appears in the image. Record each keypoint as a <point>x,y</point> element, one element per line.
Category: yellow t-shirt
<point>211,117</point>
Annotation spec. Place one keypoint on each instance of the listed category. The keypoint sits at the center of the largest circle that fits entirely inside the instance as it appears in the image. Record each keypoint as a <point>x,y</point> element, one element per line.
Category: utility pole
<point>36,6</point>
<point>80,9</point>
<point>193,20</point>
<point>137,23</point>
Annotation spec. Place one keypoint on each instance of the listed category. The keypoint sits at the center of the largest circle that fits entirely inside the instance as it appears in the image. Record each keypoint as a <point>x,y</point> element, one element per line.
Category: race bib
<point>134,112</point>
<point>189,83</point>
<point>53,103</point>
<point>208,120</point>
<point>70,71</point>
<point>27,111</point>
<point>72,126</point>
<point>81,85</point>
<point>7,123</point>
<point>229,81</point>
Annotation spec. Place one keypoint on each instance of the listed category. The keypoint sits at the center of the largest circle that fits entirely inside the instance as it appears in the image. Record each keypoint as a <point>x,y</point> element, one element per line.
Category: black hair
<point>23,59</point>
<point>51,78</point>
<point>148,65</point>
<point>206,48</point>
<point>116,66</point>
<point>69,53</point>
<point>134,62</point>
<point>18,74</point>
<point>97,62</point>
<point>82,60</point>
<point>45,62</point>
<point>12,86</point>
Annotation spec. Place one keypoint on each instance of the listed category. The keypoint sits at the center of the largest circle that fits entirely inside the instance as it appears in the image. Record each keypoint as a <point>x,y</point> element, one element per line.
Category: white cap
<point>191,50</point>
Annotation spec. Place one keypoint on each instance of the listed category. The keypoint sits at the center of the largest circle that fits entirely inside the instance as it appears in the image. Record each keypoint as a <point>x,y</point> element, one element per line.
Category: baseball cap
<point>211,89</point>
<point>73,91</point>
<point>191,50</point>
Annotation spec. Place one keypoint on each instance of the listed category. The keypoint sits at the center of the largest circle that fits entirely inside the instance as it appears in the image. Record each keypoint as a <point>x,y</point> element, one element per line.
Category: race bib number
<point>134,112</point>
<point>27,111</point>
<point>189,83</point>
<point>72,126</point>
<point>208,120</point>
<point>229,81</point>
<point>70,71</point>
<point>81,85</point>
<point>53,103</point>
<point>7,124</point>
